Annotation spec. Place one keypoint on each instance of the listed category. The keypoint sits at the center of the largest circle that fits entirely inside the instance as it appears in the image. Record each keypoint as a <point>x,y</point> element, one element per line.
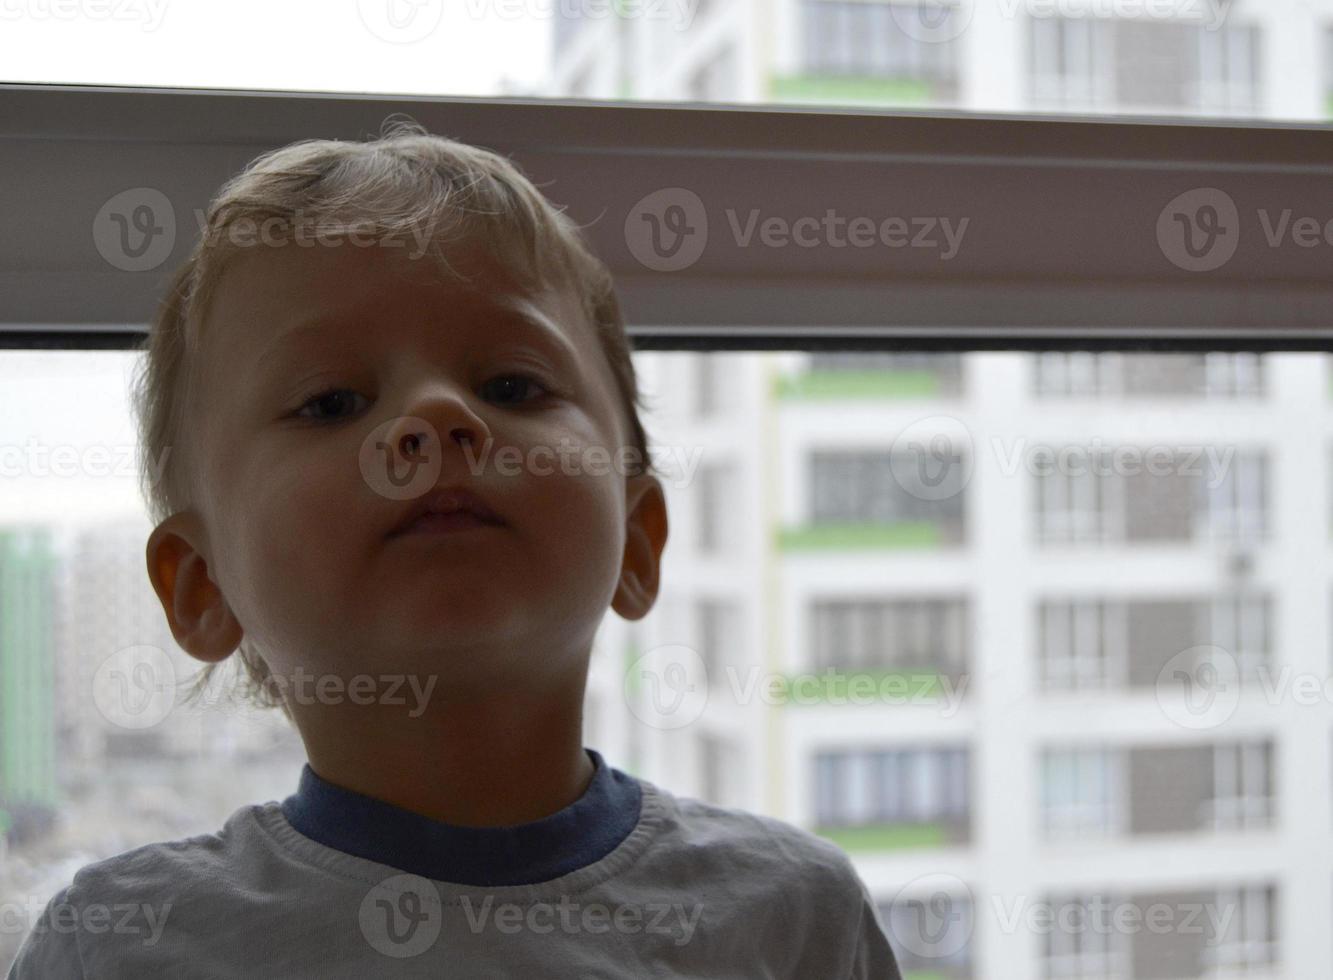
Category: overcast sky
<point>437,47</point>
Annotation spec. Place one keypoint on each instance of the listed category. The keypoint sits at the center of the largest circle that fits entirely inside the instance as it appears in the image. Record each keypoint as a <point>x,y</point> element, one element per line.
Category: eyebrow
<point>513,312</point>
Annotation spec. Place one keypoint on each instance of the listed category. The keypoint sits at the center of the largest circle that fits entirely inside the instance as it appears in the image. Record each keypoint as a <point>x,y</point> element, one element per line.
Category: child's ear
<point>200,619</point>
<point>645,537</point>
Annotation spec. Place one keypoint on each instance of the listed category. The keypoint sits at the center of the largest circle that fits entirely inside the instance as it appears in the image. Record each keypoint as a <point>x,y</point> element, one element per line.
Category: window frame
<point>1025,283</point>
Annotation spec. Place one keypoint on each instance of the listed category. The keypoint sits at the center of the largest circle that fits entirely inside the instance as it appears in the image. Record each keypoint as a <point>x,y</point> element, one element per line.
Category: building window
<point>705,384</point>
<point>1071,374</point>
<point>867,38</point>
<point>925,635</point>
<point>719,626</point>
<point>1240,625</point>
<point>1233,375</point>
<point>1078,499</point>
<point>1071,63</point>
<point>1328,70</point>
<point>1248,939</point>
<point>869,488</point>
<point>1080,942</point>
<point>719,768</point>
<point>1237,504</point>
<point>715,533</point>
<point>1081,792</point>
<point>904,786</point>
<point>1242,786</point>
<point>1112,374</point>
<point>1229,70</point>
<point>1082,644</point>
<point>1137,65</point>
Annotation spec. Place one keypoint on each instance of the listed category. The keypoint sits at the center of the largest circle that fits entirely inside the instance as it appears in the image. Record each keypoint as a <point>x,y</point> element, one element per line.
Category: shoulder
<point>51,947</point>
<point>758,847</point>
<point>128,899</point>
<point>163,869</point>
<point>791,889</point>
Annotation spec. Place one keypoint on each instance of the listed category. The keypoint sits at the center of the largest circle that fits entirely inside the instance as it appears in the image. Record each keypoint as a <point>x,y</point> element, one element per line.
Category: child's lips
<point>450,508</point>
<point>459,520</point>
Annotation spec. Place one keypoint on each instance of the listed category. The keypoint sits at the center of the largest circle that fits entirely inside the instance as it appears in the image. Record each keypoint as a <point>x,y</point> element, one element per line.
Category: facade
<point>954,534</point>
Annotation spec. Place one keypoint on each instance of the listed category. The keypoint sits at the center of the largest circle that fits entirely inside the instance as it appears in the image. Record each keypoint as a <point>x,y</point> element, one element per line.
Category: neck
<point>496,761</point>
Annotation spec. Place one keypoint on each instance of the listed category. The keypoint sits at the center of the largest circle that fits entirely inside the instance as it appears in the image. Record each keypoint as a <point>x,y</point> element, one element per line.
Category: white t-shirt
<point>691,890</point>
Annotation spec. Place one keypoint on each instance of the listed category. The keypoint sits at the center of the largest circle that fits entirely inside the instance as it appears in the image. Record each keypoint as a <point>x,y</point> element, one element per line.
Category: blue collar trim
<point>585,831</point>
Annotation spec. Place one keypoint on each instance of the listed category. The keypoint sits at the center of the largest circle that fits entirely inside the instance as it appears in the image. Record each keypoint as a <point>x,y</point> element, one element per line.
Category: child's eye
<point>521,382</point>
<point>336,400</point>
<point>332,398</point>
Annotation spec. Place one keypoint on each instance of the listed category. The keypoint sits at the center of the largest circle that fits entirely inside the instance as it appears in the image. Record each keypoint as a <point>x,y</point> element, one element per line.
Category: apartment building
<point>961,535</point>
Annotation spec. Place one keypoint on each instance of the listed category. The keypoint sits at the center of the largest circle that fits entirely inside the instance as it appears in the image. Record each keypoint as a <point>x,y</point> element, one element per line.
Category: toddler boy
<point>365,373</point>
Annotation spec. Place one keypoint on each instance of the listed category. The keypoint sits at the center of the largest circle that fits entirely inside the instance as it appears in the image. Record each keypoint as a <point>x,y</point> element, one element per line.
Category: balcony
<point>853,536</point>
<point>879,837</point>
<point>873,376</point>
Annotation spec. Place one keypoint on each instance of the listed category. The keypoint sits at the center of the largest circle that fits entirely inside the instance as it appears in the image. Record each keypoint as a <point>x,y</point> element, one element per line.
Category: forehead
<point>264,292</point>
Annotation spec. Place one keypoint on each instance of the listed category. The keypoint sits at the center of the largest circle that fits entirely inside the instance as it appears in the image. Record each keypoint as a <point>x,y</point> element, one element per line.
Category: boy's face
<point>298,539</point>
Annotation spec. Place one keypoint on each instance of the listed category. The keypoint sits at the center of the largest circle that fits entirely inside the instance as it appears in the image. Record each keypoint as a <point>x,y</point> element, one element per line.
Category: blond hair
<point>405,179</point>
